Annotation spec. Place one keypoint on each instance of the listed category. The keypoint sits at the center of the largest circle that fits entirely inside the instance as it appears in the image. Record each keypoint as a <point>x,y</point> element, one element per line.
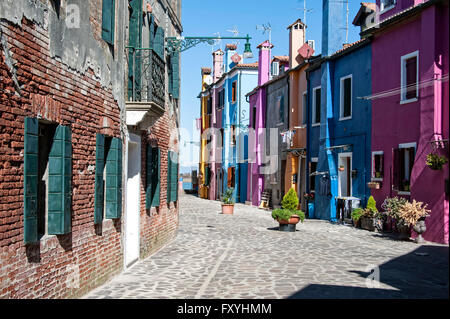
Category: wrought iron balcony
<point>146,76</point>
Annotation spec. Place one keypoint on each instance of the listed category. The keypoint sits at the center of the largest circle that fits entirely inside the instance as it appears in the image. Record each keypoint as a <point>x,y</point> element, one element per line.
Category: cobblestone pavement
<point>245,256</point>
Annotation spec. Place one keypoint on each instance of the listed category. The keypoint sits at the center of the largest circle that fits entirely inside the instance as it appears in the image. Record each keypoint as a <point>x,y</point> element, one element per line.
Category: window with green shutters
<point>108,21</point>
<point>108,178</point>
<point>158,42</point>
<point>174,75</point>
<point>135,56</point>
<point>172,177</point>
<point>47,179</point>
<point>153,160</point>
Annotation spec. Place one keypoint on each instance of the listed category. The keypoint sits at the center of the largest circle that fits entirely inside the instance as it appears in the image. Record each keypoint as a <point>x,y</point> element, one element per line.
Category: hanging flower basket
<point>374,185</point>
<point>436,162</point>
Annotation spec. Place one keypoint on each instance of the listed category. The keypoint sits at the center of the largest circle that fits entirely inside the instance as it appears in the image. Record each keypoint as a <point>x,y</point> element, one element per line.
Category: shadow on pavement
<point>423,273</point>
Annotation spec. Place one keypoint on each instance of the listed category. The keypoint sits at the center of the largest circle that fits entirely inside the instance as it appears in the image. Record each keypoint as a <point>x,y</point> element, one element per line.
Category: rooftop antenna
<point>305,11</point>
<point>216,42</point>
<point>265,28</point>
<point>235,32</point>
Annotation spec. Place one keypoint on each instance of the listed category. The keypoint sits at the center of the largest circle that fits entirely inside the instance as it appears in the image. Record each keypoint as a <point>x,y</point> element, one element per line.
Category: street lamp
<point>248,51</point>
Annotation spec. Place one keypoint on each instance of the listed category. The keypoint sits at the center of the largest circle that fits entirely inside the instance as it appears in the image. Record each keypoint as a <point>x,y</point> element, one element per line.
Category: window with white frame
<point>346,98</point>
<point>409,77</point>
<point>377,165</point>
<point>404,157</point>
<point>316,106</point>
<point>304,107</point>
<point>275,68</point>
<point>386,4</point>
<point>313,169</point>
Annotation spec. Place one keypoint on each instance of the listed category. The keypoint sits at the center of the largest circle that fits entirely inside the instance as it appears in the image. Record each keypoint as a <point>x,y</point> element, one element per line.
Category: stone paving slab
<point>244,256</point>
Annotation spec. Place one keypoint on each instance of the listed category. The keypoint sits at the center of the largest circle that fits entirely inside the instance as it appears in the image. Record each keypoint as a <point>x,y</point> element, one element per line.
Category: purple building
<point>410,110</point>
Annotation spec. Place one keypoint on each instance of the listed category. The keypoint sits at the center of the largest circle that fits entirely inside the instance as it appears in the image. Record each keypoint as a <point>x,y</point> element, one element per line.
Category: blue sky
<point>207,17</point>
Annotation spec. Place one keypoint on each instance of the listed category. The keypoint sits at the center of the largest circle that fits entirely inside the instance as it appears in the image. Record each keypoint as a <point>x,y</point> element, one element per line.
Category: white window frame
<point>347,154</point>
<point>373,178</point>
<point>275,66</point>
<point>313,113</point>
<point>385,9</point>
<point>403,59</point>
<point>341,111</point>
<point>304,108</point>
<point>407,145</point>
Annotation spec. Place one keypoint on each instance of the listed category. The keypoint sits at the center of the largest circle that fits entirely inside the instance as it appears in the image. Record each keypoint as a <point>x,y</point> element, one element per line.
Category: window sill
<point>403,193</point>
<point>408,101</point>
<point>376,179</point>
<point>315,124</point>
<point>345,118</point>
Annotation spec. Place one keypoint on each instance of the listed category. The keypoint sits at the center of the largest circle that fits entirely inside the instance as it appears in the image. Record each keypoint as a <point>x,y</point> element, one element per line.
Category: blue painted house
<point>339,121</point>
<point>240,78</point>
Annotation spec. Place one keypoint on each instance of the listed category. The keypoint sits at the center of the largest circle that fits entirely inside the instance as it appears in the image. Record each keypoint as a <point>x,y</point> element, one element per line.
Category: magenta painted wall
<point>420,122</point>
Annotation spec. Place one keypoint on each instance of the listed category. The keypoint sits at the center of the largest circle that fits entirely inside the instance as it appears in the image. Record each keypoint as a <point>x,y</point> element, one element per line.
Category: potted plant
<point>288,216</point>
<point>228,202</point>
<point>341,168</point>
<point>392,206</point>
<point>371,217</point>
<point>414,214</point>
<point>356,217</point>
<point>436,162</point>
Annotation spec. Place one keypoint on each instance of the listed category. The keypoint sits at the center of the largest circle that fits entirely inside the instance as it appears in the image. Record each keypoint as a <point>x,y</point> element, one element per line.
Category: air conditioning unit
<point>311,43</point>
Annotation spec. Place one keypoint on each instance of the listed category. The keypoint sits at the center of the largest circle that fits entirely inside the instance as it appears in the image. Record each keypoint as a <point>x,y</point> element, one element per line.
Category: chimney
<point>206,77</point>
<point>333,26</point>
<point>264,62</point>
<point>217,64</point>
<point>230,50</point>
<point>296,41</point>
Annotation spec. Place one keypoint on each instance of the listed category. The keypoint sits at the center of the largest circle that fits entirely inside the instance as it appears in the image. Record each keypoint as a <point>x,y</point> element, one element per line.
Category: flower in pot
<point>371,217</point>
<point>228,202</point>
<point>436,162</point>
<point>392,206</point>
<point>414,214</point>
<point>341,168</point>
<point>356,217</point>
<point>289,215</point>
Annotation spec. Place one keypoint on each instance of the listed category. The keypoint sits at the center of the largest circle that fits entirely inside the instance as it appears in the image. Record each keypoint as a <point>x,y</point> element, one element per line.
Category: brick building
<point>70,127</point>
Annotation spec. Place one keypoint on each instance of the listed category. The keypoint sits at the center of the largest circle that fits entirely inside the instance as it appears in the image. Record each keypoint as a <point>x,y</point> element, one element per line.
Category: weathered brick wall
<point>59,94</point>
<point>159,224</point>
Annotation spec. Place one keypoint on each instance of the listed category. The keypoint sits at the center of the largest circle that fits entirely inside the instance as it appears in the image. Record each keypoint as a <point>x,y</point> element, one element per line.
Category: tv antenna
<point>266,28</point>
<point>305,11</point>
<point>235,32</point>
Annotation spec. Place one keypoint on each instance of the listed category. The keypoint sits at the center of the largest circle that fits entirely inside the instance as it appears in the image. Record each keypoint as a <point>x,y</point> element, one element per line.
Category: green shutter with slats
<point>175,61</point>
<point>134,56</point>
<point>159,42</point>
<point>153,172</point>
<point>108,21</point>
<point>114,180</point>
<point>99,167</point>
<point>31,159</point>
<point>148,189</point>
<point>169,175</point>
<point>59,182</point>
<point>174,178</point>
<point>156,162</point>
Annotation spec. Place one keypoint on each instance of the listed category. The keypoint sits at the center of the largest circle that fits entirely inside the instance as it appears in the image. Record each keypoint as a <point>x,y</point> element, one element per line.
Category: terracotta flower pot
<point>294,220</point>
<point>227,209</point>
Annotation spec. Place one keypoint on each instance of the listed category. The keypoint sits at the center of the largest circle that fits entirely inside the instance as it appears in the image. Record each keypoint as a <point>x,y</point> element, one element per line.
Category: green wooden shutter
<point>108,21</point>
<point>31,159</point>
<point>174,177</point>
<point>169,175</point>
<point>114,180</point>
<point>159,42</point>
<point>134,56</point>
<point>156,162</point>
<point>99,167</point>
<point>149,178</point>
<point>175,61</point>
<point>59,182</point>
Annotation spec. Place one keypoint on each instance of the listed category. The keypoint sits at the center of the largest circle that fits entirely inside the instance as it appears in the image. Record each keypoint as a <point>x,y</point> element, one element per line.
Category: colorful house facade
<point>339,125</point>
<point>410,107</point>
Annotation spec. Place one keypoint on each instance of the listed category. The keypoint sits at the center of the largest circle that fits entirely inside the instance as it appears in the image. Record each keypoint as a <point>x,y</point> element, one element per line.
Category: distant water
<point>187,185</point>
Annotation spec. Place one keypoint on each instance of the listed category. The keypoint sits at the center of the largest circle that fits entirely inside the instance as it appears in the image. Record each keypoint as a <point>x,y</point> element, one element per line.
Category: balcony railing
<point>146,76</point>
